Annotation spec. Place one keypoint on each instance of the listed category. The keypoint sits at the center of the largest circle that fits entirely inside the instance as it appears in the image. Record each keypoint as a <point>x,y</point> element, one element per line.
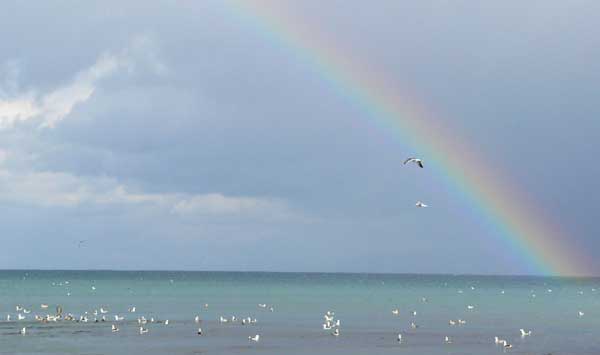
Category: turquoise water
<point>362,302</point>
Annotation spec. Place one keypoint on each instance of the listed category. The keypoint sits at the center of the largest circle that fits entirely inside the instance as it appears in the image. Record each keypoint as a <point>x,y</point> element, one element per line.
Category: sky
<point>182,135</point>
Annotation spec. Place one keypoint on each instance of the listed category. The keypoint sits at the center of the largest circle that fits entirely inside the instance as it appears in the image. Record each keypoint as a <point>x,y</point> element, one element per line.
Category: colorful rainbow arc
<point>538,242</point>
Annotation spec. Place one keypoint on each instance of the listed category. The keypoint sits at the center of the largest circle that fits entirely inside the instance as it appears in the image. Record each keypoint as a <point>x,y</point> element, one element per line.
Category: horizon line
<point>309,272</point>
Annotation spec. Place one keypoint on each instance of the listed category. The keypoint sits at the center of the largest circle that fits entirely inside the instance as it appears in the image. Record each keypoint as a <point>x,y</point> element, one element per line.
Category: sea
<point>288,311</point>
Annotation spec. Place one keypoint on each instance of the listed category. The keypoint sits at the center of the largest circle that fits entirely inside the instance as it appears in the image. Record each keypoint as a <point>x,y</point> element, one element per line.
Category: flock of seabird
<point>459,322</point>
<point>331,323</point>
<point>101,315</point>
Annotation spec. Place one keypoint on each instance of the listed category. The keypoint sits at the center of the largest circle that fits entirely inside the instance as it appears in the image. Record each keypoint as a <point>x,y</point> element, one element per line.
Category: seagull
<point>417,161</point>
<point>132,309</point>
<point>506,345</point>
<point>166,322</point>
<point>143,330</point>
<point>498,340</point>
<point>262,305</point>
<point>43,306</point>
<point>20,316</point>
<point>199,331</point>
<point>23,331</point>
<point>336,332</point>
<point>414,313</point>
<point>451,322</point>
<point>197,319</point>
<point>221,319</point>
<point>462,322</point>
<point>326,326</point>
<point>470,308</point>
<point>118,318</point>
<point>103,311</point>
<point>399,338</point>
<point>255,338</point>
<point>413,325</point>
<point>580,313</point>
<point>80,243</point>
<point>420,204</point>
<point>114,328</point>
<point>395,312</point>
<point>524,333</point>
<point>447,340</point>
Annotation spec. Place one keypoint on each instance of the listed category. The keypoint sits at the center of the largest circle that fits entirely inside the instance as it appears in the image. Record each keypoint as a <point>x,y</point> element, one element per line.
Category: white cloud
<point>52,189</point>
<point>215,204</point>
<point>54,106</point>
<point>18,109</point>
<point>57,104</point>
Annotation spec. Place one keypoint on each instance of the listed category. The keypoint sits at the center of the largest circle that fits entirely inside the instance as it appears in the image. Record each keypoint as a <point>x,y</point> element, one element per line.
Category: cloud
<point>57,104</point>
<point>218,204</point>
<point>54,106</point>
<point>18,109</point>
<point>58,189</point>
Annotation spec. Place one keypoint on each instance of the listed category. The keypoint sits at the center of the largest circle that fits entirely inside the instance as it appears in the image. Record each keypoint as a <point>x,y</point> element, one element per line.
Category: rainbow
<point>537,241</point>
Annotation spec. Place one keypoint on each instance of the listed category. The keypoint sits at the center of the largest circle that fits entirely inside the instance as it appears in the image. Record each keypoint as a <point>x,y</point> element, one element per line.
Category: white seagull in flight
<point>417,161</point>
<point>420,204</point>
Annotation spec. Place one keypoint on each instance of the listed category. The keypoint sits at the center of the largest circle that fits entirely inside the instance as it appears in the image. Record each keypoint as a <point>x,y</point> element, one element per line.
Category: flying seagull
<point>417,161</point>
<point>420,204</point>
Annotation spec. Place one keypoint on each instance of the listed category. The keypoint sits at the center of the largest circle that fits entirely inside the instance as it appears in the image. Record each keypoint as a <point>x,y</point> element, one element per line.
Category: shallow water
<point>363,303</point>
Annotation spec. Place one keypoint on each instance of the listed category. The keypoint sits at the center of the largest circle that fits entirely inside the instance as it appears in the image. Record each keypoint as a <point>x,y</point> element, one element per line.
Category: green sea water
<point>363,303</point>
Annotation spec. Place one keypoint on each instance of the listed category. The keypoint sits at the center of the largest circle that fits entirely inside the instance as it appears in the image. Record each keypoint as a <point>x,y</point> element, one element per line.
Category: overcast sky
<point>181,137</point>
